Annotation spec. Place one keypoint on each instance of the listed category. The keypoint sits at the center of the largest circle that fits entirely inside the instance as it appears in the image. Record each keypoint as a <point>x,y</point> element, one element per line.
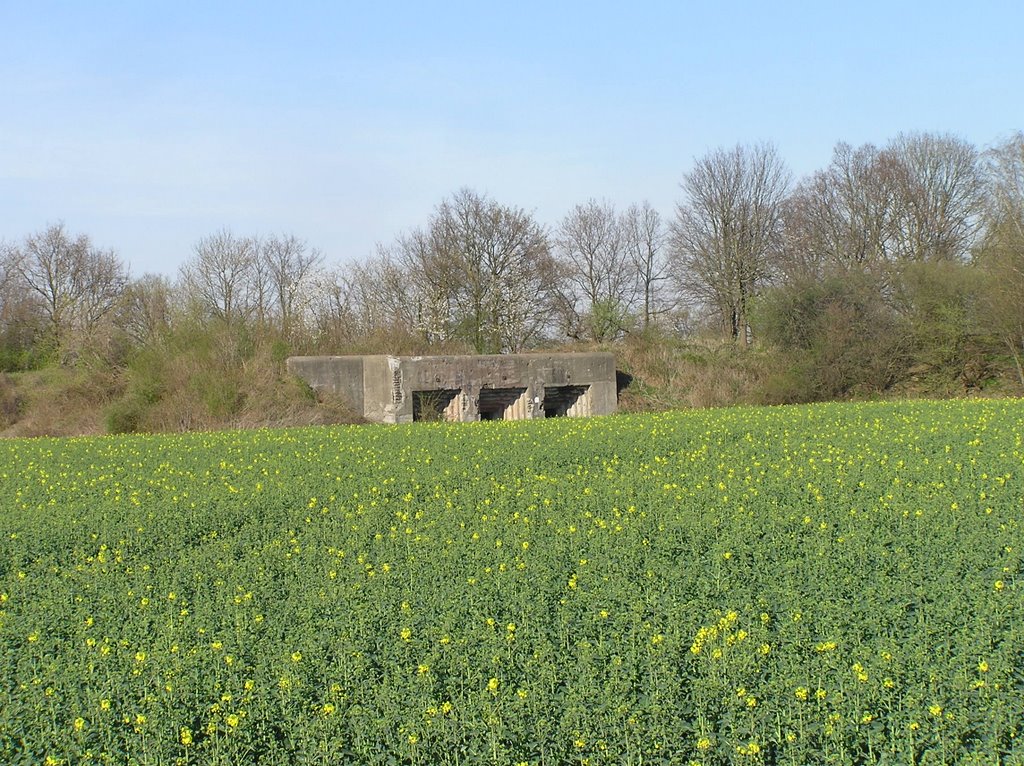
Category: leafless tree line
<point>490,277</point>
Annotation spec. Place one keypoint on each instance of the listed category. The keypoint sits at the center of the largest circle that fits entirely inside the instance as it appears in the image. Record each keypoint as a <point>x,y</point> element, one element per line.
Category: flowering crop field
<point>826,584</point>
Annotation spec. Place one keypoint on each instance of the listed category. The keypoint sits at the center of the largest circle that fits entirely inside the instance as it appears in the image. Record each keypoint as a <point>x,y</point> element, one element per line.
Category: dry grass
<point>671,374</point>
<point>59,401</point>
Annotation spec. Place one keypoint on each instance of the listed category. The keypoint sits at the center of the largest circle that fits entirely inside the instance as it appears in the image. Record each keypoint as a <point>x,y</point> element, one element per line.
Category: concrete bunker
<point>403,389</point>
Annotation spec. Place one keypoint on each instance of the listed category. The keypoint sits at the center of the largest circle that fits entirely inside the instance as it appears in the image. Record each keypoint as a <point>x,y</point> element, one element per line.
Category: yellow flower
<point>802,692</point>
<point>983,666</point>
<point>79,723</point>
<point>935,710</point>
<point>232,720</point>
<point>296,656</point>
<point>406,634</point>
<point>104,704</point>
<point>423,669</point>
<point>492,686</point>
<point>703,743</point>
<point>999,585</point>
<point>185,735</point>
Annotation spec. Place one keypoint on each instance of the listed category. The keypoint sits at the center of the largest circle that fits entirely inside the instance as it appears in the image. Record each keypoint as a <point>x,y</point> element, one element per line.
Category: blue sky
<point>148,125</point>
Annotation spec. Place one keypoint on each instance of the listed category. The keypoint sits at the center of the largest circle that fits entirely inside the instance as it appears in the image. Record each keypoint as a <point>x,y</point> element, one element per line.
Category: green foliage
<point>834,337</point>
<point>825,584</point>
<point>941,300</point>
<point>608,319</point>
<point>21,351</point>
<point>125,416</point>
<point>219,392</point>
<point>279,351</point>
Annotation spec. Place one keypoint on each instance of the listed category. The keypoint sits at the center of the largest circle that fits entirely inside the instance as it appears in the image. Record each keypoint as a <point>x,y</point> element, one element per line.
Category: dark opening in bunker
<point>502,403</point>
<point>566,401</point>
<point>435,404</point>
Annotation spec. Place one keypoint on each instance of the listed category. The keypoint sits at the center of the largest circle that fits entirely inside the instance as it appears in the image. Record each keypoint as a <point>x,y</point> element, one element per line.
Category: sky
<point>149,125</point>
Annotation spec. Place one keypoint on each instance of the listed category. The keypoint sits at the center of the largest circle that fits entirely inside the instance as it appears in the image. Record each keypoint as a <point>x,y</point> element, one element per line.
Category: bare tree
<point>150,305</point>
<point>290,265</point>
<point>78,286</point>
<point>419,268</point>
<point>842,217</point>
<point>8,263</point>
<point>362,301</point>
<point>645,242</point>
<point>939,197</point>
<point>727,229</point>
<point>1001,255</point>
<point>330,308</point>
<point>21,315</point>
<point>1005,192</point>
<point>481,273</point>
<point>600,276</point>
<point>219,276</point>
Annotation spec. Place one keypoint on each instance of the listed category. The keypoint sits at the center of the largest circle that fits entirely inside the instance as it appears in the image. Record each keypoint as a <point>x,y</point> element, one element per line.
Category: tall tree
<point>291,266</point>
<point>21,316</point>
<point>150,304</point>
<point>939,190</point>
<point>218,278</point>
<point>842,217</point>
<point>727,229</point>
<point>600,280</point>
<point>645,242</point>
<point>78,285</point>
<point>1001,255</point>
<point>482,273</point>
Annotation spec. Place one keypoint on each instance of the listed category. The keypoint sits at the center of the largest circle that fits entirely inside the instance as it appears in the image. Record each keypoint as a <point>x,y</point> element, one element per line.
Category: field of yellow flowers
<point>824,584</point>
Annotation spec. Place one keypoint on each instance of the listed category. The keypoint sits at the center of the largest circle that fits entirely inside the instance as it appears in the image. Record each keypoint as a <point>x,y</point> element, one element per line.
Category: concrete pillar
<point>453,412</point>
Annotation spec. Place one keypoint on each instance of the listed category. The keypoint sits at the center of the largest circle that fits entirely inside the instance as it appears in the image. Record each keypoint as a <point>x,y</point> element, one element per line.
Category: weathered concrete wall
<point>468,388</point>
<point>337,375</point>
